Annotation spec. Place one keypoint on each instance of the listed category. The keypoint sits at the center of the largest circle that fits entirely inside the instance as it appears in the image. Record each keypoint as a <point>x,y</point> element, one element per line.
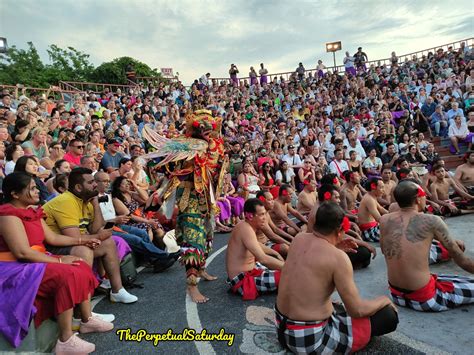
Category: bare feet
<point>195,295</point>
<point>203,274</point>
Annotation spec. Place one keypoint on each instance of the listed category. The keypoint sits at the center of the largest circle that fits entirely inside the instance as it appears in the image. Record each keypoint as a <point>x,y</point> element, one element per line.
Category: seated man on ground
<point>438,252</point>
<point>54,284</point>
<point>315,266</point>
<point>282,208</point>
<point>270,235</point>
<point>76,213</point>
<point>465,173</point>
<point>137,238</point>
<point>307,197</point>
<point>406,242</point>
<point>245,256</point>
<point>350,193</point>
<point>370,211</point>
<point>389,184</point>
<point>360,254</point>
<point>440,193</point>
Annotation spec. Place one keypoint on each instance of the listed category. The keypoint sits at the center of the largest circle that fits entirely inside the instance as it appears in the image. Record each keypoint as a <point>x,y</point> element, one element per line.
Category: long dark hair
<point>58,164</point>
<point>20,165</point>
<point>116,193</point>
<point>266,174</point>
<point>10,150</point>
<point>15,182</point>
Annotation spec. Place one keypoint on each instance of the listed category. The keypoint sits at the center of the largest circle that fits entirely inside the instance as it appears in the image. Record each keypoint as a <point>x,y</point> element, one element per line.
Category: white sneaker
<point>105,284</point>
<point>76,323</point>
<point>123,297</point>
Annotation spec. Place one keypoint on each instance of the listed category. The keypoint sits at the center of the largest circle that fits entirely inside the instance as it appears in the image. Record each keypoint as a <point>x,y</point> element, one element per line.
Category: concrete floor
<point>162,305</point>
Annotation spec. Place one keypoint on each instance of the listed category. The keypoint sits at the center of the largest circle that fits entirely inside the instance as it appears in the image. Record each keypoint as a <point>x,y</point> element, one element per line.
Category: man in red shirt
<point>74,154</point>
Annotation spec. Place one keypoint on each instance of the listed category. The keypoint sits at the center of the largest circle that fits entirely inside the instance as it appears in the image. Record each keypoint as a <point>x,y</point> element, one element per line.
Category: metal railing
<point>386,61</point>
<point>94,87</point>
<point>52,91</point>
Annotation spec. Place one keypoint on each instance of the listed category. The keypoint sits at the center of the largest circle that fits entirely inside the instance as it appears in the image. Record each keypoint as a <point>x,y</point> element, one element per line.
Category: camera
<point>103,199</point>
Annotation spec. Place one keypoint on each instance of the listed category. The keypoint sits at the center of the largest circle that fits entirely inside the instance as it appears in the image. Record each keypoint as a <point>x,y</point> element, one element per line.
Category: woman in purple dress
<point>253,76</point>
<point>233,71</point>
<point>263,74</point>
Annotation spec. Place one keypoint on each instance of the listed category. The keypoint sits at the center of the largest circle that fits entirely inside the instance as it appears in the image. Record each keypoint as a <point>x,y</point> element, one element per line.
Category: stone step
<point>452,161</point>
<point>452,165</point>
<point>442,150</point>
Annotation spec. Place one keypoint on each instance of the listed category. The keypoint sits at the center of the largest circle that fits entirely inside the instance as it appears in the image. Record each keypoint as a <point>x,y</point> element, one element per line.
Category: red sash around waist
<point>366,226</point>
<point>426,292</point>
<point>249,289</point>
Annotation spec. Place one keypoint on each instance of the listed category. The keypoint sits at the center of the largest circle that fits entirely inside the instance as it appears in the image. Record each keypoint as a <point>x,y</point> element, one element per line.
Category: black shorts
<point>59,250</point>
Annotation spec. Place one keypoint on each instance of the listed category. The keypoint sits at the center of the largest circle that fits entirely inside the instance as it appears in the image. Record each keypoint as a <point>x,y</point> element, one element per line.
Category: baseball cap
<point>114,141</point>
<point>79,128</point>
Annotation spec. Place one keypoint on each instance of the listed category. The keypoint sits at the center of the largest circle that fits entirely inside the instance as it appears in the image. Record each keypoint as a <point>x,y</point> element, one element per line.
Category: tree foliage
<point>25,66</point>
<point>114,72</point>
<point>22,66</point>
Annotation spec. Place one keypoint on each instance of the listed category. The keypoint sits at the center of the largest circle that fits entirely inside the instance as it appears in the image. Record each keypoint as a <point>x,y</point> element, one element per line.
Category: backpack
<point>128,272</point>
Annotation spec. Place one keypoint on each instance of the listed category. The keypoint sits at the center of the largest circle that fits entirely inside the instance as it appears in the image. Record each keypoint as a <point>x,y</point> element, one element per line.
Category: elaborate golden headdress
<point>203,119</point>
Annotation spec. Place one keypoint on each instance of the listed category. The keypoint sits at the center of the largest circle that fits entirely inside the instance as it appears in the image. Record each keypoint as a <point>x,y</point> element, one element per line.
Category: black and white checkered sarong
<point>266,282</point>
<point>371,234</point>
<point>463,293</point>
<point>334,335</point>
<point>438,252</point>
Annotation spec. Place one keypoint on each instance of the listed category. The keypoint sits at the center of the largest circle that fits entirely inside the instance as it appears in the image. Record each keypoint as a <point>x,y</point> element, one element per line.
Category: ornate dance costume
<point>195,164</point>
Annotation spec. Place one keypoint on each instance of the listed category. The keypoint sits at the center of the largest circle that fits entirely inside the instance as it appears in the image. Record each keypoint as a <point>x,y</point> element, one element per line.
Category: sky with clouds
<point>196,36</point>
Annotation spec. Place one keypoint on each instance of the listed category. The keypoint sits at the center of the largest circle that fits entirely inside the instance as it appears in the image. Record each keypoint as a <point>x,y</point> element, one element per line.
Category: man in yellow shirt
<point>76,213</point>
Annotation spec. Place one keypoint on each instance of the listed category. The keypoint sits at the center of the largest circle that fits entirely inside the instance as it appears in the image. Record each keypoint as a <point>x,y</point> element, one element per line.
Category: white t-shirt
<point>341,166</point>
<point>349,62</point>
<point>294,160</point>
<point>9,167</point>
<point>289,174</point>
<point>107,209</point>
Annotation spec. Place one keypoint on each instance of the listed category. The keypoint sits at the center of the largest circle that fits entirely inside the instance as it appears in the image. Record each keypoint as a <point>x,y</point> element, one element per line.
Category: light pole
<point>334,47</point>
<point>3,45</point>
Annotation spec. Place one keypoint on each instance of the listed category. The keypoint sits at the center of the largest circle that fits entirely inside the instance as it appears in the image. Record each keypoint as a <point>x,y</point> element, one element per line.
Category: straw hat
<point>170,241</point>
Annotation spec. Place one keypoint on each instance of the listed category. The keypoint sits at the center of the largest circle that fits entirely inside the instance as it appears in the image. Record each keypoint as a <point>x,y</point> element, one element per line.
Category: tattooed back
<point>406,237</point>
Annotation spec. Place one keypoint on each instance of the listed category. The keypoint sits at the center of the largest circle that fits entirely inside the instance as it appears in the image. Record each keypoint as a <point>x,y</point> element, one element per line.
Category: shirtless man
<point>270,236</point>
<point>465,173</point>
<point>282,208</point>
<point>350,192</point>
<point>307,197</point>
<point>370,211</point>
<point>402,163</point>
<point>316,266</point>
<point>360,255</point>
<point>440,193</point>
<point>406,241</point>
<point>428,179</point>
<point>438,252</point>
<point>246,274</point>
<point>386,199</point>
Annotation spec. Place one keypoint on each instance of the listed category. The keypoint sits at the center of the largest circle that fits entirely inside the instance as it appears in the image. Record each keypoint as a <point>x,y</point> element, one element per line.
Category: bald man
<point>406,241</point>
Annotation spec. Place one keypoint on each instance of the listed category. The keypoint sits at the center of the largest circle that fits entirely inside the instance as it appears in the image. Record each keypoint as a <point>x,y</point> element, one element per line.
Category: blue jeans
<point>140,243</point>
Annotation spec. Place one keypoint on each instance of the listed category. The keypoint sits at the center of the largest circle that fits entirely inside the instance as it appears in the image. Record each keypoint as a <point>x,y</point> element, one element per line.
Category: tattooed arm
<point>441,233</point>
<point>391,234</point>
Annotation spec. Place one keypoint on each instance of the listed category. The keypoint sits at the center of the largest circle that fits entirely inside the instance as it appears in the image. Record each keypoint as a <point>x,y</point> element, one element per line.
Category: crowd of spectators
<point>84,155</point>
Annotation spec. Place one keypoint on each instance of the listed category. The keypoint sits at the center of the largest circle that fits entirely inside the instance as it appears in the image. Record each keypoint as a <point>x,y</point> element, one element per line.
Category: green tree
<point>114,72</point>
<point>68,64</point>
<point>22,66</point>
